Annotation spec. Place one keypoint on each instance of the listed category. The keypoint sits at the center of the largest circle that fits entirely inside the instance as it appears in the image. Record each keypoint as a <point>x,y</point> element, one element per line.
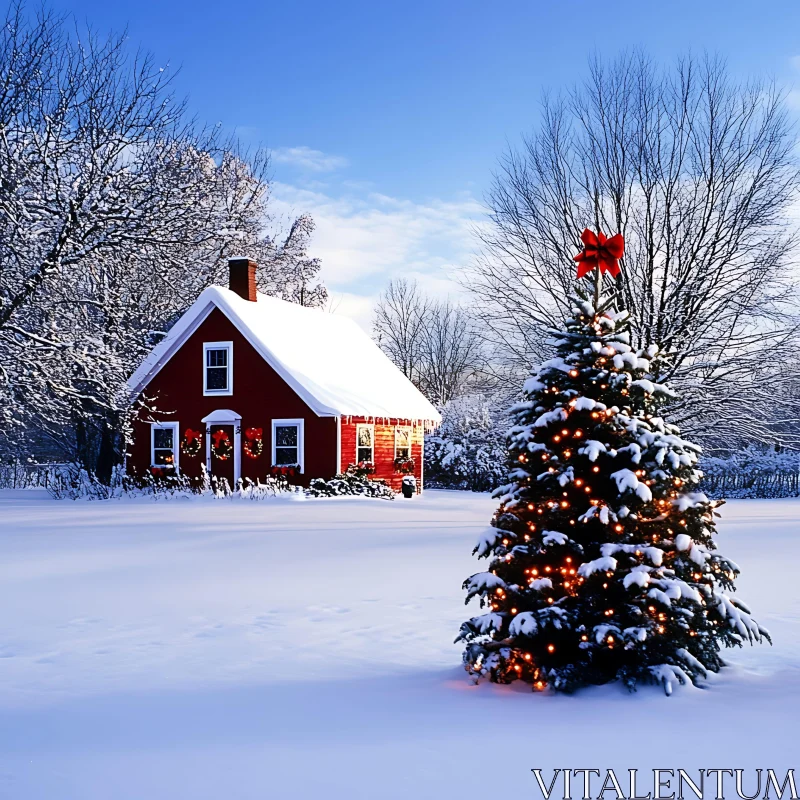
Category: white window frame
<point>218,346</point>
<point>301,439</point>
<point>408,429</point>
<point>176,444</point>
<point>371,426</point>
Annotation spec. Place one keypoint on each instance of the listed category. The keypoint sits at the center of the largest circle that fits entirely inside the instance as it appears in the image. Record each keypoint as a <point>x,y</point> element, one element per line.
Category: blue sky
<point>386,119</point>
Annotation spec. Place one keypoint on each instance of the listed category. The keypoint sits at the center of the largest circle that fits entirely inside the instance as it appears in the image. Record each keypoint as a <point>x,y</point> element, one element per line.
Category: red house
<point>247,384</point>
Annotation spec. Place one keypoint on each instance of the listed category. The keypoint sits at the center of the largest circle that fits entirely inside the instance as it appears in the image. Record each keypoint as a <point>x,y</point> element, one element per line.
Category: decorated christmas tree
<point>603,559</point>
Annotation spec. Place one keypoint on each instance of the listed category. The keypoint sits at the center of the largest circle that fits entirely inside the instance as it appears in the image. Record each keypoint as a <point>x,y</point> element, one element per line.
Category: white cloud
<point>365,238</point>
<point>365,241</point>
<point>357,307</point>
<point>308,159</point>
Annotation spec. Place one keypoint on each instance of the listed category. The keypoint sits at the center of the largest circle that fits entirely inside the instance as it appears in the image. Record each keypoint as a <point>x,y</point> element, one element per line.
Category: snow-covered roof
<point>327,359</point>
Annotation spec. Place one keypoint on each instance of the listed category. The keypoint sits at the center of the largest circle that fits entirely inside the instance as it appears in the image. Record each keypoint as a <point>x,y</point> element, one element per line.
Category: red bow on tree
<point>600,252</point>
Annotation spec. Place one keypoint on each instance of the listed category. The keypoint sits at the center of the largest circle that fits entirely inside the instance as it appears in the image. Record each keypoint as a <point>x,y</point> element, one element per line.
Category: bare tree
<point>401,316</point>
<point>452,353</point>
<point>436,344</point>
<point>697,172</point>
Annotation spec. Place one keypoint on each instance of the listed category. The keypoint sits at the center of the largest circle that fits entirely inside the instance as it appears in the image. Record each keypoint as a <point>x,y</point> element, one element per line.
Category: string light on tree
<point>637,591</point>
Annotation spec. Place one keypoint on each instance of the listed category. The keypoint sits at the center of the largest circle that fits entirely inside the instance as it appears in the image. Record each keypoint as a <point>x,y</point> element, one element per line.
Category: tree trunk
<point>106,456</point>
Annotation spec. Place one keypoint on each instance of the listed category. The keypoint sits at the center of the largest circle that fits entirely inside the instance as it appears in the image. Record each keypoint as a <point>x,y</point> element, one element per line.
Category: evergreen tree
<point>604,564</point>
<point>467,451</point>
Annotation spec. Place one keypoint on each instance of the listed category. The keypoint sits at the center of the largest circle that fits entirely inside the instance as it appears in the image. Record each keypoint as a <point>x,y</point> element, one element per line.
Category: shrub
<point>353,481</point>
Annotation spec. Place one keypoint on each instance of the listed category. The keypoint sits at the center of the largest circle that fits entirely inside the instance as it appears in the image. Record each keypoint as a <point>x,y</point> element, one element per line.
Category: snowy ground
<point>303,649</point>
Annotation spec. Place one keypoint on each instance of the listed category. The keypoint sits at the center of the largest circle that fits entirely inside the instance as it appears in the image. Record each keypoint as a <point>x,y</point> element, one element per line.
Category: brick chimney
<point>243,278</point>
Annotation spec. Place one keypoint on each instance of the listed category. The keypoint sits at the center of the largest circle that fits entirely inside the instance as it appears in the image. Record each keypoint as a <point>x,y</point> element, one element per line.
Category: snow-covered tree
<point>117,210</point>
<point>603,559</point>
<point>291,273</point>
<point>467,451</point>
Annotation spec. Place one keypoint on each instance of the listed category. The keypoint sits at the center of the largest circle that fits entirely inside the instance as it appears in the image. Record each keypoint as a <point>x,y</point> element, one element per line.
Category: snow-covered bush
<point>74,483</point>
<point>752,472</point>
<point>468,450</point>
<point>353,481</point>
<point>248,489</point>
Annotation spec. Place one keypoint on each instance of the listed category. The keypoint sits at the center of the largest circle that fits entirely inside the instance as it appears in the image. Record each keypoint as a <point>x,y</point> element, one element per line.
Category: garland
<point>286,471</point>
<point>222,447</point>
<point>253,442</point>
<point>362,470</point>
<point>191,443</point>
<point>404,465</point>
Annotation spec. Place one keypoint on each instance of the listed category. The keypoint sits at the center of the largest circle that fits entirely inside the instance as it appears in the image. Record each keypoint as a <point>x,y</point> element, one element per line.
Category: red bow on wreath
<point>219,437</point>
<point>192,436</point>
<point>253,433</point>
<point>600,252</point>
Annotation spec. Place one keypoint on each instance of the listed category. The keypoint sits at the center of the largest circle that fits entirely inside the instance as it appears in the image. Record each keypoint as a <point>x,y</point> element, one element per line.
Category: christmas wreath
<point>191,443</point>
<point>404,465</point>
<point>222,447</point>
<point>253,442</point>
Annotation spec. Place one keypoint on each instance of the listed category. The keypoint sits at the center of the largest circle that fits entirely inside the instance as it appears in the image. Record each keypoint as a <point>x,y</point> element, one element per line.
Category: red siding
<point>383,447</point>
<point>259,395</point>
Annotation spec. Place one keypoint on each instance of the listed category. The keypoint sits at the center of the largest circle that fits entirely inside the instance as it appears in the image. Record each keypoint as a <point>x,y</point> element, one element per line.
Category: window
<point>287,442</point>
<point>402,444</point>
<point>217,368</point>
<point>164,444</point>
<point>365,438</point>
